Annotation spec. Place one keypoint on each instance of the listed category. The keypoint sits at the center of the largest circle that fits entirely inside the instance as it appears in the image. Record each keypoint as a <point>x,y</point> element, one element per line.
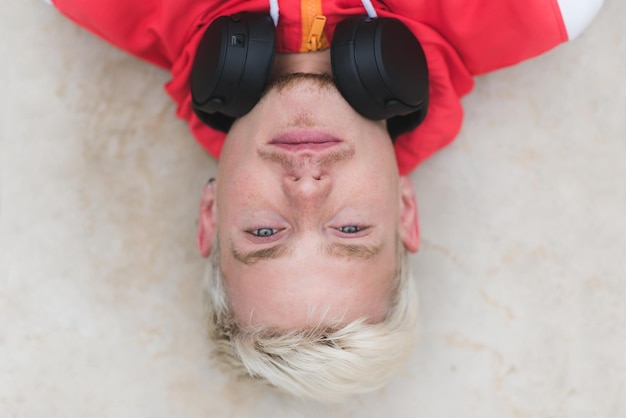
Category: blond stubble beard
<point>321,81</point>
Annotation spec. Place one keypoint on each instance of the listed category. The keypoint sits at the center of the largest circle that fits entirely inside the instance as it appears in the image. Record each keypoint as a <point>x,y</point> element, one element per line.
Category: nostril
<point>297,179</point>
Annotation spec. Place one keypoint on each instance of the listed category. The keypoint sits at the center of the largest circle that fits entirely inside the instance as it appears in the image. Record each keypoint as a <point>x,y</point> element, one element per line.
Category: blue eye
<point>350,229</point>
<point>264,232</point>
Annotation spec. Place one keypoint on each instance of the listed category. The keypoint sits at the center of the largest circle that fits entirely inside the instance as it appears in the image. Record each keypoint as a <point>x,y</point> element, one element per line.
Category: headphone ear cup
<point>380,68</point>
<point>231,67</point>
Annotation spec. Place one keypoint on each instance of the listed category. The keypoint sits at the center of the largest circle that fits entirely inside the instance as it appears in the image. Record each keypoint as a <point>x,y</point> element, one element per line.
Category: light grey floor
<point>522,272</point>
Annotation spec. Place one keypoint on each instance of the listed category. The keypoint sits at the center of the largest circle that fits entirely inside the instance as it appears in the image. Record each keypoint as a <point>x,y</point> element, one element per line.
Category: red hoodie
<point>460,38</point>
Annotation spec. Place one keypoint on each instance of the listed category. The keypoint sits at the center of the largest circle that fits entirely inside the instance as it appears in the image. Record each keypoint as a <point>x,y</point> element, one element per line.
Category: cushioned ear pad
<point>380,68</point>
<point>232,65</point>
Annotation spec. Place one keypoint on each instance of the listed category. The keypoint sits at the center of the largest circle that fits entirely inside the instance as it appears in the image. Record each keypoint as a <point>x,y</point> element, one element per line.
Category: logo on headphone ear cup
<point>380,68</point>
<point>231,67</point>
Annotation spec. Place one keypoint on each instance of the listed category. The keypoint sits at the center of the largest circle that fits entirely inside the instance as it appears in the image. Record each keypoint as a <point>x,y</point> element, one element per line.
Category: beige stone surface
<point>522,271</point>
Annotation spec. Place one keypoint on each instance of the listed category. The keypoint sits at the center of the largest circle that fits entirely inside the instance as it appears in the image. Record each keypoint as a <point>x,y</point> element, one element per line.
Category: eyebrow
<point>354,250</point>
<point>339,250</point>
<point>252,257</point>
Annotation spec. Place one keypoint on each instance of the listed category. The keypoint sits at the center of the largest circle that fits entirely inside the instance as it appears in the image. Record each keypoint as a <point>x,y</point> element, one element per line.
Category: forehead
<point>299,290</point>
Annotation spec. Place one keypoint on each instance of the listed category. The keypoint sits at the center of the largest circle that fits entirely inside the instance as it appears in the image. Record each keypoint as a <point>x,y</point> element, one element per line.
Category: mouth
<point>305,140</point>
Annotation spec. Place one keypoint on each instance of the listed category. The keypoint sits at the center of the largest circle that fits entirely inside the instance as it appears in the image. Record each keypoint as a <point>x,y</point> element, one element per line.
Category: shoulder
<point>578,14</point>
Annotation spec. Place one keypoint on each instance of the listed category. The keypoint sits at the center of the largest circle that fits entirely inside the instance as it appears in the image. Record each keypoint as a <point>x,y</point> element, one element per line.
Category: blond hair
<point>328,362</point>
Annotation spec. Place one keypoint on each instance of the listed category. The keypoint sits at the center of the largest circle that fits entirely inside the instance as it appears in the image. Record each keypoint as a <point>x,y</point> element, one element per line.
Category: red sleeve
<point>462,39</point>
<point>129,25</point>
<point>490,34</point>
<point>154,30</point>
<point>163,32</point>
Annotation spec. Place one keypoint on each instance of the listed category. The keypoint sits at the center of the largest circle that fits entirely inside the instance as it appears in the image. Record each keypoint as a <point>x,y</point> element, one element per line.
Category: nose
<point>308,188</point>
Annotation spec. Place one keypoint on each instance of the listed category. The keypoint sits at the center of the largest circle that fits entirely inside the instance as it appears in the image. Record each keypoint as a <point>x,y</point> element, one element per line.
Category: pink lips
<point>300,140</point>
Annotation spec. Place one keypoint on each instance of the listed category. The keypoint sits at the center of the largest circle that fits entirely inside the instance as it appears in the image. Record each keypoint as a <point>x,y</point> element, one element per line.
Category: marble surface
<point>522,272</point>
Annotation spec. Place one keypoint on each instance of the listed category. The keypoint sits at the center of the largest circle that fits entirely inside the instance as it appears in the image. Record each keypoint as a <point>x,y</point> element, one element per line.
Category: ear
<point>207,219</point>
<point>409,226</point>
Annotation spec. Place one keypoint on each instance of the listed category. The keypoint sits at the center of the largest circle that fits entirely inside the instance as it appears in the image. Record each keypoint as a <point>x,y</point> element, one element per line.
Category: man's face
<point>308,208</point>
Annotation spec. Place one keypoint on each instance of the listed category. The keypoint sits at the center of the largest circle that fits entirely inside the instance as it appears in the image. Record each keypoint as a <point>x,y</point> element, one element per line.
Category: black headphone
<point>378,66</point>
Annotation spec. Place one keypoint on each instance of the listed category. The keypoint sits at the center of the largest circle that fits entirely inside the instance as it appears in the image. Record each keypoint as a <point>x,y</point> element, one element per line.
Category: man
<point>311,235</point>
<point>310,218</point>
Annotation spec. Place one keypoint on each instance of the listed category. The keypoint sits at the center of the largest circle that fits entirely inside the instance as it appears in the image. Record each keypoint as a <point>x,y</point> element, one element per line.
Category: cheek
<point>242,187</point>
<point>234,193</point>
<point>246,188</point>
<point>244,193</point>
<point>376,184</point>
